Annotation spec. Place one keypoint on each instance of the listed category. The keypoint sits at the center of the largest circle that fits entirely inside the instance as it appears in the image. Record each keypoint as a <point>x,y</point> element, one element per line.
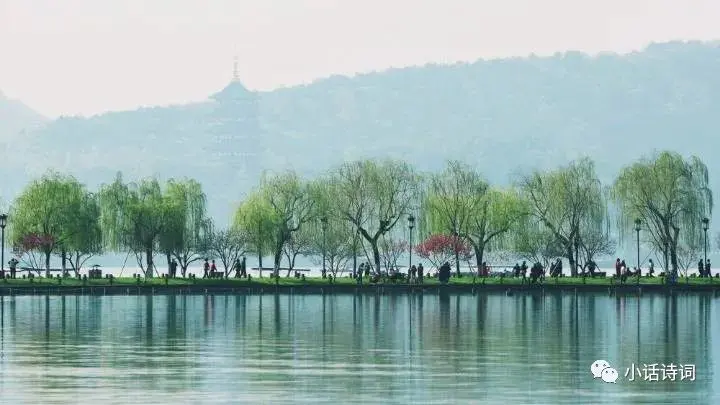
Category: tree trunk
<point>169,259</point>
<point>63,256</point>
<point>149,261</point>
<point>47,264</point>
<point>77,264</point>
<point>571,259</point>
<point>376,255</point>
<point>260,262</point>
<point>673,249</point>
<point>291,263</point>
<point>577,258</point>
<point>183,268</point>
<point>457,262</point>
<point>277,259</point>
<point>479,254</point>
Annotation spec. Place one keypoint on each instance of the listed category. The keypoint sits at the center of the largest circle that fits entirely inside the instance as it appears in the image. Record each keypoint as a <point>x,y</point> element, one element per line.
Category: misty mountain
<point>16,119</point>
<point>503,115</point>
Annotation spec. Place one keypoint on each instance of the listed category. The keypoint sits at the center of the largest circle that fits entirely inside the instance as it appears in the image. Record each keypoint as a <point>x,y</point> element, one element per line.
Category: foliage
<point>228,245</point>
<point>390,251</point>
<point>670,196</point>
<point>291,205</point>
<point>461,201</point>
<point>256,220</point>
<point>536,243</point>
<point>336,243</point>
<point>298,244</point>
<point>687,255</point>
<point>31,249</point>
<point>187,229</point>
<point>133,216</point>
<point>570,203</point>
<point>455,195</point>
<point>373,196</point>
<point>59,207</point>
<point>440,248</point>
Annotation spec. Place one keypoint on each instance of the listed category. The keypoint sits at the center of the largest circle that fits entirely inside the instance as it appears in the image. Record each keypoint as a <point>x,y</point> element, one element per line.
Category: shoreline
<point>321,287</point>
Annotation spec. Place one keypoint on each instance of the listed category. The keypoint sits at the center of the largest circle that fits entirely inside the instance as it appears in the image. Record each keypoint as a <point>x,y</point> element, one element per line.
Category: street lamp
<point>3,222</point>
<point>638,222</point>
<point>323,222</point>
<point>411,225</point>
<point>706,222</point>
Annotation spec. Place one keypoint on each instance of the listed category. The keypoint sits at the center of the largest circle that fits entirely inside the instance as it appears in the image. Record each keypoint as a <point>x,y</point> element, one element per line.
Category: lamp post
<point>638,222</point>
<point>411,225</point>
<point>706,222</point>
<point>323,223</point>
<point>3,222</point>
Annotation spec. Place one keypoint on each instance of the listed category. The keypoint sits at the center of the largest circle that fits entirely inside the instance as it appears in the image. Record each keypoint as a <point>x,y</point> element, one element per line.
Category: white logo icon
<point>597,367</point>
<point>609,375</point>
<point>601,369</point>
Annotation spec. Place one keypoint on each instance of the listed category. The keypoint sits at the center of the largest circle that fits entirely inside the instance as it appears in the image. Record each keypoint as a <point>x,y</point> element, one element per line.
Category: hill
<point>502,115</point>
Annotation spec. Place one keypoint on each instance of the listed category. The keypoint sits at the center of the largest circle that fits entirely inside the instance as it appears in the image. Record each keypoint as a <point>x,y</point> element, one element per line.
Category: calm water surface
<point>388,349</point>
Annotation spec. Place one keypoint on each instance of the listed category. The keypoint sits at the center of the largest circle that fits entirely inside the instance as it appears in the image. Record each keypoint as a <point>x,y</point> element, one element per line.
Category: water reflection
<point>442,348</point>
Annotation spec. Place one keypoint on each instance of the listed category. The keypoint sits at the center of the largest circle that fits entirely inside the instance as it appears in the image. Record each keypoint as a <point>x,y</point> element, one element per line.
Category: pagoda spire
<point>236,75</point>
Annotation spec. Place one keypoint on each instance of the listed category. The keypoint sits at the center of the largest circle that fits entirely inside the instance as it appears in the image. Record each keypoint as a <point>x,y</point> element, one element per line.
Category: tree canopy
<point>59,209</point>
<point>670,196</point>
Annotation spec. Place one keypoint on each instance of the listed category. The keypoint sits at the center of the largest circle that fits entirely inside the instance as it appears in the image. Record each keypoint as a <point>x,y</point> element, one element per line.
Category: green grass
<point>317,281</point>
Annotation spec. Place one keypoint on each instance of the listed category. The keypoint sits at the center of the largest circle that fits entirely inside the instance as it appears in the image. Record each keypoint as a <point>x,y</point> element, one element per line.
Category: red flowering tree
<point>440,248</point>
<point>32,250</point>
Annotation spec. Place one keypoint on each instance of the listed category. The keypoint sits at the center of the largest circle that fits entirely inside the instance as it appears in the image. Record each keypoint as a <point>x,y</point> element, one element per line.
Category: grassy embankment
<point>466,281</point>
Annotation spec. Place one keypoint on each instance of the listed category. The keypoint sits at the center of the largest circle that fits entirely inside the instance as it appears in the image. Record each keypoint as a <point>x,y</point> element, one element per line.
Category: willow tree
<point>670,196</point>
<point>83,238</point>
<point>187,232</point>
<point>373,196</point>
<point>256,220</point>
<point>49,207</point>
<point>133,216</point>
<point>491,225</point>
<point>535,242</point>
<point>291,204</point>
<point>337,239</point>
<point>570,202</point>
<point>455,197</point>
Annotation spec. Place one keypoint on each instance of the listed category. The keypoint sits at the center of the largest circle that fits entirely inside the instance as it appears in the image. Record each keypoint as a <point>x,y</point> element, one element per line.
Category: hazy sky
<point>88,56</point>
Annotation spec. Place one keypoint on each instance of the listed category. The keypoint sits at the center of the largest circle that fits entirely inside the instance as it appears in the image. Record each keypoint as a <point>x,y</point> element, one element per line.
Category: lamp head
<point>638,222</point>
<point>706,222</point>
<point>411,221</point>
<point>3,220</point>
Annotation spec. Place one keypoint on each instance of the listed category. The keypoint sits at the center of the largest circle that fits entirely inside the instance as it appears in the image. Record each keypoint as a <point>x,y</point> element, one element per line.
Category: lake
<point>345,349</point>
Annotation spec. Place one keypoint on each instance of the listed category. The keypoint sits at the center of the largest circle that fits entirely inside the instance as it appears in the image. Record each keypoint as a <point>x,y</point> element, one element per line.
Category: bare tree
<point>228,245</point>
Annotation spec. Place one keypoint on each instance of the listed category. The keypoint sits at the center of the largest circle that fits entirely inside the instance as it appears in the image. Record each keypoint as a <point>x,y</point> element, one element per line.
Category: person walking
<point>236,268</point>
<point>13,267</point>
<point>206,269</point>
<point>707,268</point>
